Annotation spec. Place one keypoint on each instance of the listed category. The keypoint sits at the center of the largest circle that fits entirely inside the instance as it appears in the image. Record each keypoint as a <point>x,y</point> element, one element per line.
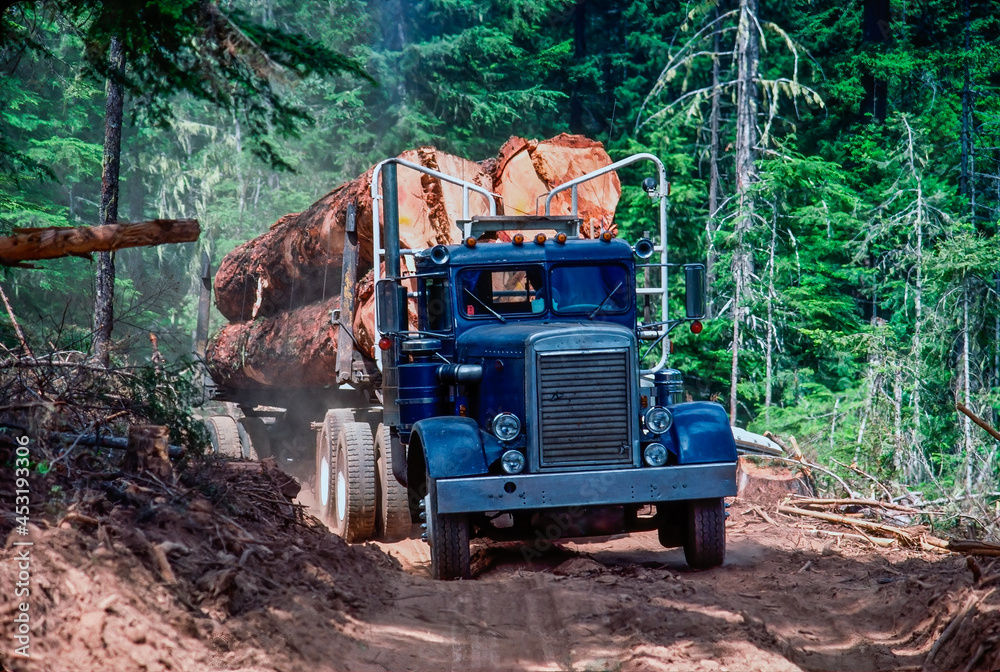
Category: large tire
<point>448,536</point>
<point>326,461</point>
<point>254,438</point>
<point>224,435</point>
<point>392,514</point>
<point>354,495</point>
<point>705,536</point>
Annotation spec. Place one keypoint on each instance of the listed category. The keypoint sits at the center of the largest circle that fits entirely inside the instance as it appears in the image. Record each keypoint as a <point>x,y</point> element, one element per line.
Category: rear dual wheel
<point>330,474</point>
<point>392,512</point>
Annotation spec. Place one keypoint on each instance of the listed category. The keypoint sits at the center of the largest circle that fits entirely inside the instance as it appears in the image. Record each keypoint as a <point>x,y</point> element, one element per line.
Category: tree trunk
<point>747,54</point>
<point>711,224</point>
<point>875,24</point>
<point>294,349</point>
<point>966,388</point>
<point>769,368</point>
<point>579,53</point>
<point>105,281</point>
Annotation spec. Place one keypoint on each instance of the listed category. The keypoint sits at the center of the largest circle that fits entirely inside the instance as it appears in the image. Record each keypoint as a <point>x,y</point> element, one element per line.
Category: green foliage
<point>867,242</point>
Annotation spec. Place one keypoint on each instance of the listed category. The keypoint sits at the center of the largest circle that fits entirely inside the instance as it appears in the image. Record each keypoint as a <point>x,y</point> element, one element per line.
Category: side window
<point>437,313</point>
<point>511,291</point>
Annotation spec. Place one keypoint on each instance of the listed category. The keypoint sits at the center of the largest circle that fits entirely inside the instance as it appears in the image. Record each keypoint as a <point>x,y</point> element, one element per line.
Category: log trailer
<point>507,398</point>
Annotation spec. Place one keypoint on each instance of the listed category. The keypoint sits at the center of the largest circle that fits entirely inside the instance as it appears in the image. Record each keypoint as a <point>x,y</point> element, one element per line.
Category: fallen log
<point>852,522</point>
<point>964,546</point>
<point>874,503</point>
<point>64,241</point>
<point>298,261</point>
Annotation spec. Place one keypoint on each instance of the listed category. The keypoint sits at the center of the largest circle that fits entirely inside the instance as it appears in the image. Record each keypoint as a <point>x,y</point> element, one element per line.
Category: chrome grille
<point>583,401</point>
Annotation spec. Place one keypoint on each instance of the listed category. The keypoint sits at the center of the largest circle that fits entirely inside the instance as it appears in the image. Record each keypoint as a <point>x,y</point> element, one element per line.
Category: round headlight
<point>658,420</point>
<point>512,462</point>
<point>506,426</point>
<point>655,455</point>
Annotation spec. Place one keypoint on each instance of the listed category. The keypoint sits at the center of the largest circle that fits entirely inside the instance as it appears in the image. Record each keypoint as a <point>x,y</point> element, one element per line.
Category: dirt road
<point>222,575</point>
<point>783,601</point>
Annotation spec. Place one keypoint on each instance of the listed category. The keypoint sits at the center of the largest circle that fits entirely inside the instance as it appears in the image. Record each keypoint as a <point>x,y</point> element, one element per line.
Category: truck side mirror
<point>385,293</point>
<point>694,291</point>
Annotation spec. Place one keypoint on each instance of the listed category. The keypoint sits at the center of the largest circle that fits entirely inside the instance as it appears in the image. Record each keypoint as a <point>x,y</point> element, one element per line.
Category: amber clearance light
<point>560,238</point>
<point>540,239</point>
<point>518,239</point>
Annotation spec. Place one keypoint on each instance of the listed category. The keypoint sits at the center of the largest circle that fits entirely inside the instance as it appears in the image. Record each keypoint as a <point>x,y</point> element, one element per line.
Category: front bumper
<point>646,485</point>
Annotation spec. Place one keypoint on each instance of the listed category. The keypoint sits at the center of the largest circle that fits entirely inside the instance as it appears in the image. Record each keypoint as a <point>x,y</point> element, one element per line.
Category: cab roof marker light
<point>518,239</point>
<point>561,238</point>
<point>540,239</point>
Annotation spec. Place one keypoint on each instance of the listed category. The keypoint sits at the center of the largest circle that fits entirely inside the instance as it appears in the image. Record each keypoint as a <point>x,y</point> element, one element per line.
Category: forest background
<point>837,167</point>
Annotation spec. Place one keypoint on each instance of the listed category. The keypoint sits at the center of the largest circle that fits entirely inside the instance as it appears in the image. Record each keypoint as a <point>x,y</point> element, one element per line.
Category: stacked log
<point>279,290</point>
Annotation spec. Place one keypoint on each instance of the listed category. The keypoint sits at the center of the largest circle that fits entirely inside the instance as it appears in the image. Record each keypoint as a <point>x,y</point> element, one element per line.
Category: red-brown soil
<point>258,586</point>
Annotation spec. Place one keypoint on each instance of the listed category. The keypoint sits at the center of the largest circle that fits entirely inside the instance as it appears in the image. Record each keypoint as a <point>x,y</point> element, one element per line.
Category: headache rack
<point>492,223</point>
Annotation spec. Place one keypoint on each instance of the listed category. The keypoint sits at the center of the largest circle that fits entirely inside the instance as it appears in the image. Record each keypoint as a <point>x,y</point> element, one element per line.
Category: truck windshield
<point>590,289</point>
<point>498,292</point>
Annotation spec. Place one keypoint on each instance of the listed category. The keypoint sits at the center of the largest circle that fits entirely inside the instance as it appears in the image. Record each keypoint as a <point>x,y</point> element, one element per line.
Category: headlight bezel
<point>660,452</point>
<point>515,456</point>
<point>501,422</point>
<point>649,420</point>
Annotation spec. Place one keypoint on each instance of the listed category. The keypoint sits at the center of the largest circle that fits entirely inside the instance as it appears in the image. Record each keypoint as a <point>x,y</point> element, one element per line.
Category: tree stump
<point>148,451</point>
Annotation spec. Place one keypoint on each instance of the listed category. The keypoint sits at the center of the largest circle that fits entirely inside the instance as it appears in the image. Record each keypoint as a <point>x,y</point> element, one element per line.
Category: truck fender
<point>452,446</point>
<point>701,433</point>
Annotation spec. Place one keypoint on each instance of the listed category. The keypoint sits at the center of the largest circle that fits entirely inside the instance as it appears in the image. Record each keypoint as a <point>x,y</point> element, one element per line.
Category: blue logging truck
<point>516,406</point>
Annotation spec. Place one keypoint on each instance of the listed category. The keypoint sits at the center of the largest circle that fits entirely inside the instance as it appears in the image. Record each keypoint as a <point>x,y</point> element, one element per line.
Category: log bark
<point>64,241</point>
<point>293,349</point>
<point>298,260</point>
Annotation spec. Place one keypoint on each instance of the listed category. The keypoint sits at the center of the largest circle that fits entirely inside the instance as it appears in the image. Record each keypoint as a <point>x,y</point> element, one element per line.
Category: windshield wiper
<point>481,303</point>
<point>601,304</point>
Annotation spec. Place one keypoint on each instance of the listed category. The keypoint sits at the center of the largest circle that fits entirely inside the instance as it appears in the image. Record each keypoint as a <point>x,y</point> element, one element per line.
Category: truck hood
<point>510,340</point>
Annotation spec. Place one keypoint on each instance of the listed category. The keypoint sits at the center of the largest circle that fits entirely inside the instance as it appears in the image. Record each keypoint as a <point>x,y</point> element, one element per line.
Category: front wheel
<point>705,536</point>
<point>448,536</point>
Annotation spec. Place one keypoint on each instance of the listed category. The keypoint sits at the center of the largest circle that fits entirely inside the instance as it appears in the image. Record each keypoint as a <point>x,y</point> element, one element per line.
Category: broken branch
<point>63,241</point>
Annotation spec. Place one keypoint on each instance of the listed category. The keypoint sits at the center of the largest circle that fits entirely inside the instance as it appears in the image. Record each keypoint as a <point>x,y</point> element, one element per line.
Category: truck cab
<point>515,392</point>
